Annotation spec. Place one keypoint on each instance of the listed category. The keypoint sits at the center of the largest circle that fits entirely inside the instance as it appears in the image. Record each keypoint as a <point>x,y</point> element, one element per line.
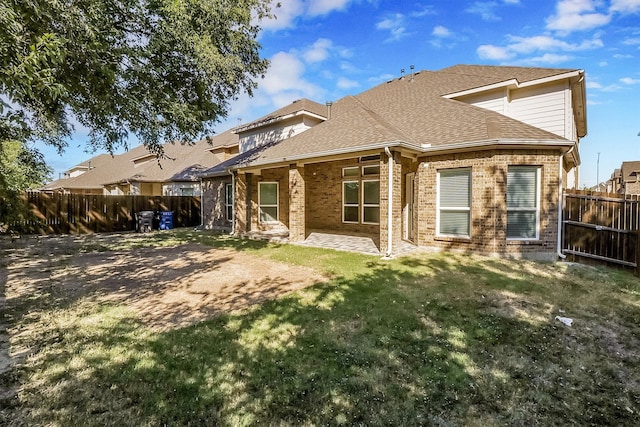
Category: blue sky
<point>326,49</point>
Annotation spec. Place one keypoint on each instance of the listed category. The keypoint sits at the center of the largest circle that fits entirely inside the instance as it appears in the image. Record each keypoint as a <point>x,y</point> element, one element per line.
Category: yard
<point>192,328</point>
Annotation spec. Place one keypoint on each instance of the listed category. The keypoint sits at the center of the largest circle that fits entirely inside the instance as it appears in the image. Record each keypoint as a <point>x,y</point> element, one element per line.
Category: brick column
<point>240,203</point>
<point>297,188</point>
<point>396,203</point>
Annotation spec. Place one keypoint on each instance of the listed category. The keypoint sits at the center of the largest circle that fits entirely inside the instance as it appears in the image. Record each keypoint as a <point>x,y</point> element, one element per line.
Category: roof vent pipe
<point>412,67</point>
<point>401,73</point>
<point>329,104</point>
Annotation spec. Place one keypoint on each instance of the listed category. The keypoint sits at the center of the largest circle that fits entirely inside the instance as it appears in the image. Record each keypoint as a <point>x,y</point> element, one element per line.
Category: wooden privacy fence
<point>43,213</point>
<point>601,226</point>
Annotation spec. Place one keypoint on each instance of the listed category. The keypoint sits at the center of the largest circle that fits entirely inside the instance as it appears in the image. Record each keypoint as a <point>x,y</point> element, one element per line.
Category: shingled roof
<point>630,171</point>
<point>181,162</point>
<point>412,112</point>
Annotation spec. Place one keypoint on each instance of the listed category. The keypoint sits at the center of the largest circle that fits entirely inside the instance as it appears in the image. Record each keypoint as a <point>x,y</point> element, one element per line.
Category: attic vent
<point>369,158</point>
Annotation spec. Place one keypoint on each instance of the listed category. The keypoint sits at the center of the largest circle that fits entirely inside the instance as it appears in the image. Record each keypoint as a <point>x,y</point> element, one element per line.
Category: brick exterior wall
<point>631,187</point>
<point>323,207</point>
<point>488,202</point>
<point>310,198</point>
<point>281,176</point>
<point>214,203</point>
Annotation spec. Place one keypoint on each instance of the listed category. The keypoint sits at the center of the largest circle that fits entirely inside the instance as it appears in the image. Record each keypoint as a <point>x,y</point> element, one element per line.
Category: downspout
<point>233,201</point>
<point>560,203</point>
<point>389,203</point>
<point>201,226</point>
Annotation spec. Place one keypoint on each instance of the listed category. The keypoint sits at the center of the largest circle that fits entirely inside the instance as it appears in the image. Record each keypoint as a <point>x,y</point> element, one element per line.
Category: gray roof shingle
<point>411,110</point>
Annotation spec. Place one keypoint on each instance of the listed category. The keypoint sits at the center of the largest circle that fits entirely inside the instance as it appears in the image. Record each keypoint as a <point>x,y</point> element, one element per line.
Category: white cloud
<point>345,84</point>
<point>577,15</point>
<point>426,10</point>
<point>550,58</point>
<point>622,56</point>
<point>319,51</point>
<point>285,75</point>
<point>625,6</point>
<point>496,53</point>
<point>528,45</point>
<point>381,78</point>
<point>603,63</point>
<point>285,15</point>
<point>322,7</point>
<point>289,10</point>
<point>486,10</point>
<point>440,31</point>
<point>547,43</point>
<point>629,81</point>
<point>395,24</point>
<point>593,85</point>
<point>632,41</point>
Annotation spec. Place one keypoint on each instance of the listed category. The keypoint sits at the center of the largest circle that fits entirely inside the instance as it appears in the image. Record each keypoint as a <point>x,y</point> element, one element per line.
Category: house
<point>626,180</point>
<point>139,172</point>
<point>468,158</point>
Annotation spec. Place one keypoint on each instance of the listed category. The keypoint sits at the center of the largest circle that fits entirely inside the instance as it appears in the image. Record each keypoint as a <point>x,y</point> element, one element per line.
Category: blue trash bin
<point>166,220</point>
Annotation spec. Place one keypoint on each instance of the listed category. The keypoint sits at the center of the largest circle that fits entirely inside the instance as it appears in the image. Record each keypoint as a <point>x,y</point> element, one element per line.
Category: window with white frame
<point>268,201</point>
<point>454,202</point>
<point>371,202</point>
<point>228,202</point>
<point>361,194</point>
<point>351,201</point>
<point>523,202</point>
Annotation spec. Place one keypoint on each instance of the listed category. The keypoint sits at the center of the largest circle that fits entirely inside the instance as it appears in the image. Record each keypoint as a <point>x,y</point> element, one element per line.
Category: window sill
<point>535,242</point>
<point>452,239</point>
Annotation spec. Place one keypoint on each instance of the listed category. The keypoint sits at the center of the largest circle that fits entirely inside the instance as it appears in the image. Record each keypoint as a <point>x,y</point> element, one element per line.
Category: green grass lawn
<point>432,339</point>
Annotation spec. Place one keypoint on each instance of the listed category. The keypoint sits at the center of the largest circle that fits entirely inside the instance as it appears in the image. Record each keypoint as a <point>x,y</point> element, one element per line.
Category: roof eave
<point>277,119</point>
<point>515,84</point>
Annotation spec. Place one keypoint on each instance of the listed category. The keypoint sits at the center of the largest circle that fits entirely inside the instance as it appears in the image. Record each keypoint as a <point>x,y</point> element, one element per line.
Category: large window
<point>523,201</point>
<point>228,201</point>
<point>454,202</point>
<point>351,201</point>
<point>371,202</point>
<point>268,201</point>
<point>361,194</point>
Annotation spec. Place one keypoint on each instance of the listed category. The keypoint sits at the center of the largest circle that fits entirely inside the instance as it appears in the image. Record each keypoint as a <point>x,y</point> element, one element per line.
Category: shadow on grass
<point>418,341</point>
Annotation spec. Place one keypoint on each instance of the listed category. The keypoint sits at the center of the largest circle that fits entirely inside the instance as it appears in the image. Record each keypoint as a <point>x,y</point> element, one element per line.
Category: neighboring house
<point>614,184</point>
<point>139,172</point>
<point>470,158</point>
<point>626,180</point>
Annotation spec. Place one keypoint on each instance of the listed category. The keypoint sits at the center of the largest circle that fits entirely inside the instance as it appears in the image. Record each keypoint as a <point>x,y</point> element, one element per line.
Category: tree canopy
<point>162,70</point>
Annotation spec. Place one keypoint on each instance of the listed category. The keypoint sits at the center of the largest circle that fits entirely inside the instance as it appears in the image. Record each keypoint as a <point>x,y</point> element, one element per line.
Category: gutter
<point>389,204</point>
<point>201,226</point>
<point>561,202</point>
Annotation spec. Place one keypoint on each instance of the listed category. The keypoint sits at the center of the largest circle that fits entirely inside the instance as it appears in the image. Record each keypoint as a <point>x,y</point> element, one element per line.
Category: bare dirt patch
<point>168,287</point>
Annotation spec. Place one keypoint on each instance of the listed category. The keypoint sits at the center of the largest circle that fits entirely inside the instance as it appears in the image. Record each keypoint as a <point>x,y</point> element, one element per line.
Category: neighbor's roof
<point>181,162</point>
<point>412,112</point>
<point>630,171</point>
